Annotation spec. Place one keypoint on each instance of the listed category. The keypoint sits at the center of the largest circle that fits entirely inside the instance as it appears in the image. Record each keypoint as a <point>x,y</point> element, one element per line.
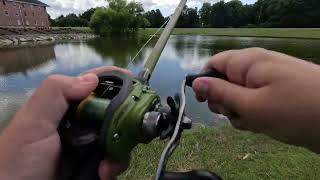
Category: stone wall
<point>16,40</point>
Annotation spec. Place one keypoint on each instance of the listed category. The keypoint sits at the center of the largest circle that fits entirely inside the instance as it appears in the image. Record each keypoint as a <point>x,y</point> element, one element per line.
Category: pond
<point>23,69</point>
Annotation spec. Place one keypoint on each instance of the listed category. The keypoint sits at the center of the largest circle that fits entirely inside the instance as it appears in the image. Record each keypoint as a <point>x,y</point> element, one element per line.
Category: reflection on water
<point>21,70</point>
<point>20,60</point>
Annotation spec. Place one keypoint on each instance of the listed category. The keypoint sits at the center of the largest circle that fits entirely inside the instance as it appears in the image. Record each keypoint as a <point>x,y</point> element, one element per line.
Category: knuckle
<point>258,53</point>
<point>257,50</point>
<point>216,93</point>
<point>53,79</point>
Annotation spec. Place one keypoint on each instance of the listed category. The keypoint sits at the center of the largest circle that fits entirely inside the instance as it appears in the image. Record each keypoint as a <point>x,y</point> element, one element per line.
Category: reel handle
<point>211,73</point>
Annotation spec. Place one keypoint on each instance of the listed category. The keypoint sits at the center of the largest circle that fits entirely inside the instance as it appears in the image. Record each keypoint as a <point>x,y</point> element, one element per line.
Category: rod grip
<point>211,73</point>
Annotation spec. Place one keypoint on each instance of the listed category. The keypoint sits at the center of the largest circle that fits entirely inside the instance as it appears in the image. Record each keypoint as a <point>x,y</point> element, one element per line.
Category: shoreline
<point>9,41</point>
<point>287,33</point>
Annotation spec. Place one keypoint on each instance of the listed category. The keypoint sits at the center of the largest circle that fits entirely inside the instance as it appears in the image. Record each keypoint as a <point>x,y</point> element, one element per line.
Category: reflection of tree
<point>190,45</point>
<point>189,49</point>
<point>120,50</point>
<point>223,44</point>
<point>23,59</point>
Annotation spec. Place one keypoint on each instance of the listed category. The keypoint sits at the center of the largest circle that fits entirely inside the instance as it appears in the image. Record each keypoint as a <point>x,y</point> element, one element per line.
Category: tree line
<point>263,13</point>
<point>73,20</point>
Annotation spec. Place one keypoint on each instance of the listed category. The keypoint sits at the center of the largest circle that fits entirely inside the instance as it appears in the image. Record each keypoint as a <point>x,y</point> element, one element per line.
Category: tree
<point>125,18</point>
<point>189,18</point>
<point>87,14</point>
<point>205,15</point>
<point>71,20</point>
<point>219,15</point>
<point>287,13</point>
<point>155,18</point>
<point>235,13</point>
<point>119,18</point>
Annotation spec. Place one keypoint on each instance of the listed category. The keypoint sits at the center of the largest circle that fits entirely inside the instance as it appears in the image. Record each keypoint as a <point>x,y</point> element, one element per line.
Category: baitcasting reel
<point>120,114</point>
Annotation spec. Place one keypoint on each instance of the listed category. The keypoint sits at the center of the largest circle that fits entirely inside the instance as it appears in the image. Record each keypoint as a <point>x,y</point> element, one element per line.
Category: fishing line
<point>142,48</point>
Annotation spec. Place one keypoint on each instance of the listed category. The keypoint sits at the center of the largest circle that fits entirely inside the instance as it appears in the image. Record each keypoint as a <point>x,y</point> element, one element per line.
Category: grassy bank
<point>82,29</point>
<point>245,32</point>
<point>230,153</point>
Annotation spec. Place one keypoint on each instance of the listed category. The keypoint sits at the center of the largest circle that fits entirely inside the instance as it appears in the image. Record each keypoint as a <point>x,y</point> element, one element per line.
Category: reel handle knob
<point>211,73</point>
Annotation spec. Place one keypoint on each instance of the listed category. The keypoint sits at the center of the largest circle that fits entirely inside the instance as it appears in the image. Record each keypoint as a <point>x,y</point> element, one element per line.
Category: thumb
<point>220,92</point>
<point>50,101</point>
<point>110,170</point>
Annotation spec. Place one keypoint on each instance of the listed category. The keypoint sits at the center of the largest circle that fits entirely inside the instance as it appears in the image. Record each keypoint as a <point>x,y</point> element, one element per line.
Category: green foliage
<point>87,14</point>
<point>155,18</point>
<point>72,20</point>
<point>287,13</point>
<point>119,18</point>
<point>125,18</point>
<point>189,18</point>
<point>264,13</point>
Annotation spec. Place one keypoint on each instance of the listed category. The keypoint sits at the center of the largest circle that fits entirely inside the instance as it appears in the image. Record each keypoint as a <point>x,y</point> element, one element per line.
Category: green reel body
<point>125,130</point>
<point>111,117</point>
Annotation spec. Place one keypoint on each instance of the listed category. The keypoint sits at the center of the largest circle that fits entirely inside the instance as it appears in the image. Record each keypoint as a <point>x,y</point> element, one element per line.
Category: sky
<point>59,7</point>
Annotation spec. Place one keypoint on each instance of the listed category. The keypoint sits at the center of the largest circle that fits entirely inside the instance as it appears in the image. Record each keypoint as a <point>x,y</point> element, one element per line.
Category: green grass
<point>230,153</point>
<point>83,29</point>
<point>245,32</point>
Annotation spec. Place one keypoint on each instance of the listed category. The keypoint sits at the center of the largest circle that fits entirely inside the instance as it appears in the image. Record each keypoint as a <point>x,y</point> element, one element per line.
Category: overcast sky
<point>58,7</point>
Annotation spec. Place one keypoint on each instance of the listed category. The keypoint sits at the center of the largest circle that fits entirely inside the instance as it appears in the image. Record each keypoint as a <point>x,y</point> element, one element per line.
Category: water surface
<point>23,69</point>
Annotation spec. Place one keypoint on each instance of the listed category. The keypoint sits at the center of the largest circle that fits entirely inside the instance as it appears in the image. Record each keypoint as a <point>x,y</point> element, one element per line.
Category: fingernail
<point>203,86</point>
<point>88,78</point>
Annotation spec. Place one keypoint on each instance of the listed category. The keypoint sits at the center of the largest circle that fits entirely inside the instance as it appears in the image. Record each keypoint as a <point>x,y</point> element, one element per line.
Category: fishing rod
<point>121,113</point>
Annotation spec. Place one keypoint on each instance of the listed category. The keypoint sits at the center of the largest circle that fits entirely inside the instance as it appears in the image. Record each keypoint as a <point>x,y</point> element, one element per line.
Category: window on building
<point>19,22</point>
<point>4,2</point>
<point>6,13</point>
<point>43,24</point>
<point>36,23</point>
<point>27,23</point>
<point>23,5</point>
<point>17,14</point>
<point>32,13</point>
<point>25,13</point>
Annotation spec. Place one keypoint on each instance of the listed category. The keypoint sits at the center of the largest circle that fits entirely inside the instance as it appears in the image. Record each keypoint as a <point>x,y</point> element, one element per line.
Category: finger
<point>219,109</point>
<point>239,124</point>
<point>200,99</point>
<point>50,101</point>
<point>214,108</point>
<point>237,63</point>
<point>233,97</point>
<point>107,68</point>
<point>109,169</point>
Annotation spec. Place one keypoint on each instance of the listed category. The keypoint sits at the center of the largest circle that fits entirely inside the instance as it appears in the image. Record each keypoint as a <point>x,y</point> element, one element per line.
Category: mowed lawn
<point>230,153</point>
<point>245,32</point>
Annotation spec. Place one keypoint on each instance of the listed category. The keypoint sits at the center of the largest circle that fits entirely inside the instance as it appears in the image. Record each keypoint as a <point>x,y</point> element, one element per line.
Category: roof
<point>32,2</point>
